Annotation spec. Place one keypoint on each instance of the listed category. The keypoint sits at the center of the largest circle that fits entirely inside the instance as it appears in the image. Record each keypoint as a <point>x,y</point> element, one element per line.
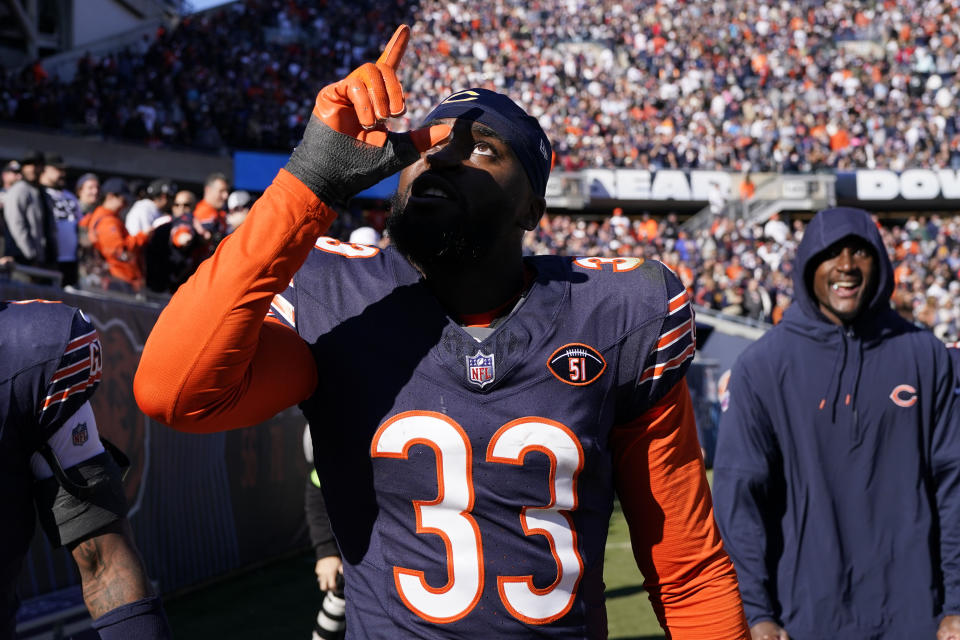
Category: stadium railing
<point>33,275</point>
<point>780,192</point>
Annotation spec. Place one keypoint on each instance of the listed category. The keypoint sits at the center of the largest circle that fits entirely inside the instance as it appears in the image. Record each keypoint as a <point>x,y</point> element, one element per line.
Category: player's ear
<point>532,212</point>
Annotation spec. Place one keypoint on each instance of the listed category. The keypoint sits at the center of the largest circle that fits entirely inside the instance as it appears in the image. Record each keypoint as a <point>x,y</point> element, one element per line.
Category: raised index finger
<point>394,50</point>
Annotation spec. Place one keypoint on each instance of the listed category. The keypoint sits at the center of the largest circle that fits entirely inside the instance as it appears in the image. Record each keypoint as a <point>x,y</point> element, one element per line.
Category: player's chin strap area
<point>84,491</point>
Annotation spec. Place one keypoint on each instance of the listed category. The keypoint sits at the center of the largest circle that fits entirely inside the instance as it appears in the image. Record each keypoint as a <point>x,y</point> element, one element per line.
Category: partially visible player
<point>953,348</point>
<point>53,464</point>
<point>330,623</point>
<point>473,412</point>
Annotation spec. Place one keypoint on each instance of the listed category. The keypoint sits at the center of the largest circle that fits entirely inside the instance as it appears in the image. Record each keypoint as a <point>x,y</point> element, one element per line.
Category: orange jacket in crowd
<point>121,250</point>
<point>205,213</point>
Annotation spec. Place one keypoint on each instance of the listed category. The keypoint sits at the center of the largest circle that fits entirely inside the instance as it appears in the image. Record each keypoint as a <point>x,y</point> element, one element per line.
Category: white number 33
<point>449,515</point>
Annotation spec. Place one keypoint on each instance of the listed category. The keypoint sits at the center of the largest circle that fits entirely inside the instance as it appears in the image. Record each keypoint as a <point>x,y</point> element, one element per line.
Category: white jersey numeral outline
<point>510,445</point>
<point>448,515</point>
<point>345,249</point>
<point>620,265</point>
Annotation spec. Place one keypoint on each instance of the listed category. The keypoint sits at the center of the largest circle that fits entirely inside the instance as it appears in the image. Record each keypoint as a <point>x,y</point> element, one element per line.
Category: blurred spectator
<point>138,189</point>
<point>716,199</point>
<point>30,229</point>
<point>648,230</point>
<point>88,192</point>
<point>619,221</point>
<point>183,204</point>
<point>756,302</point>
<point>11,173</point>
<point>121,251</point>
<point>176,247</point>
<point>144,212</point>
<point>238,206</point>
<point>365,235</point>
<point>210,213</point>
<point>776,229</point>
<point>747,188</point>
<point>66,213</point>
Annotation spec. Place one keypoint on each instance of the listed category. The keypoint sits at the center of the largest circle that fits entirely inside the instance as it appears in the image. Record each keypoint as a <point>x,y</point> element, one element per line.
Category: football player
<point>54,464</point>
<point>473,412</point>
<point>953,348</point>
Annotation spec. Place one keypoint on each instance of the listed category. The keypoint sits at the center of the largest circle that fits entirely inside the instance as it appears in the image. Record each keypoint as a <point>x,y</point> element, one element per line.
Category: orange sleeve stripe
<point>663,490</point>
<point>677,302</point>
<point>211,362</point>
<point>66,372</point>
<point>672,336</point>
<point>66,393</point>
<point>657,370</point>
<point>82,341</point>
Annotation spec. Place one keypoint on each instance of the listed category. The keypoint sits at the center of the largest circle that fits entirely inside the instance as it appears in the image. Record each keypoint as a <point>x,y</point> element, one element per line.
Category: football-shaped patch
<point>576,364</point>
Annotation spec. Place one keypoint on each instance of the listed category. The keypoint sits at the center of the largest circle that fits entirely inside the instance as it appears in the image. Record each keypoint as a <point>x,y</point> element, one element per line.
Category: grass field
<point>280,600</point>
<point>629,614</point>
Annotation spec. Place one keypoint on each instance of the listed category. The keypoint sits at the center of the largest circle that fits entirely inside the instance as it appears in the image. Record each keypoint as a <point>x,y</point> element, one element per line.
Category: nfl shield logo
<point>480,369</point>
<point>80,434</point>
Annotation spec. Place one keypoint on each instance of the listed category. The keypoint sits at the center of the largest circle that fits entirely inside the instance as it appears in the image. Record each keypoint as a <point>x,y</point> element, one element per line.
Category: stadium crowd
<point>745,270</point>
<point>112,235</point>
<point>737,85</point>
<point>149,237</point>
<point>799,86</point>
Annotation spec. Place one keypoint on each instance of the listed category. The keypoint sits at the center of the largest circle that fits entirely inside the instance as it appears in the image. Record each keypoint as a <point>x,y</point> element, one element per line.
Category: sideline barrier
<point>200,505</point>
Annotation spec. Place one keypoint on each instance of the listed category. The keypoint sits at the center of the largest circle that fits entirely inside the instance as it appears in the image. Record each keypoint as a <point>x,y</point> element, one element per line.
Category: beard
<point>434,242</point>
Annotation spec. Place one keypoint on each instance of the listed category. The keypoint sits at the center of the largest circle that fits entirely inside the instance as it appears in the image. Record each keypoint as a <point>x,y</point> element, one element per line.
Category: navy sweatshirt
<point>837,472</point>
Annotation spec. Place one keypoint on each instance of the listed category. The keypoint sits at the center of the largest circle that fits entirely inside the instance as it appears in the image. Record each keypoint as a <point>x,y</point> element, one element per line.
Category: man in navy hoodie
<point>837,471</point>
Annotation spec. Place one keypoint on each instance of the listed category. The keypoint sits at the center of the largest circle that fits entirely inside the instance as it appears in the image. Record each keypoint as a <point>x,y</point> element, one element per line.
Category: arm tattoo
<point>111,572</point>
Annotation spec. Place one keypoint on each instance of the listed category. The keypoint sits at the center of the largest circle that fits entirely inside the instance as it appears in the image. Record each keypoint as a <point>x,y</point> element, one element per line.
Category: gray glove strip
<point>336,166</point>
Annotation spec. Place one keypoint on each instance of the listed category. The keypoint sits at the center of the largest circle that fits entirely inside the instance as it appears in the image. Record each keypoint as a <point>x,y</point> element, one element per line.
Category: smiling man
<point>837,471</point>
<point>473,412</point>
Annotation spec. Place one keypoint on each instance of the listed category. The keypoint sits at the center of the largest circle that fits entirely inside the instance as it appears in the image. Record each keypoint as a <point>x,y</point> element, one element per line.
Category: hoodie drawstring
<point>856,379</point>
<point>856,385</point>
<point>834,383</point>
<point>850,397</point>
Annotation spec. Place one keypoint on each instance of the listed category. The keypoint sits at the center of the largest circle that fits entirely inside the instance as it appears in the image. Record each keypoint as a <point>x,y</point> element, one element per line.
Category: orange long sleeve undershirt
<point>662,485</point>
<point>235,370</point>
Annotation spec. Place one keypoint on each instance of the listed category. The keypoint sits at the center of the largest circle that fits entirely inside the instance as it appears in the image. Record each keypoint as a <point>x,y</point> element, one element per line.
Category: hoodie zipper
<point>849,335</point>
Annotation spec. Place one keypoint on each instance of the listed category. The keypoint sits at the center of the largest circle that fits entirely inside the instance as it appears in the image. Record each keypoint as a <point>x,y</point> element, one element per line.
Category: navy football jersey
<point>469,483</point>
<point>953,348</point>
<point>50,364</point>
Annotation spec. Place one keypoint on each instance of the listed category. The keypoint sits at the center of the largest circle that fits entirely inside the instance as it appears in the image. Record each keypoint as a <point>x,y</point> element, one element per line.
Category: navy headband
<point>521,131</point>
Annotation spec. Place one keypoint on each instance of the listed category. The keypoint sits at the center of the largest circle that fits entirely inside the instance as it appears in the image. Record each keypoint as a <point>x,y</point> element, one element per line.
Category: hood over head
<point>827,227</point>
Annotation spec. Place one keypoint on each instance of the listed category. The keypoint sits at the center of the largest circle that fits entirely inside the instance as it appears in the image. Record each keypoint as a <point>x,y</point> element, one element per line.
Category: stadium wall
<point>109,157</point>
<point>94,20</point>
<point>200,505</point>
<point>687,191</point>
